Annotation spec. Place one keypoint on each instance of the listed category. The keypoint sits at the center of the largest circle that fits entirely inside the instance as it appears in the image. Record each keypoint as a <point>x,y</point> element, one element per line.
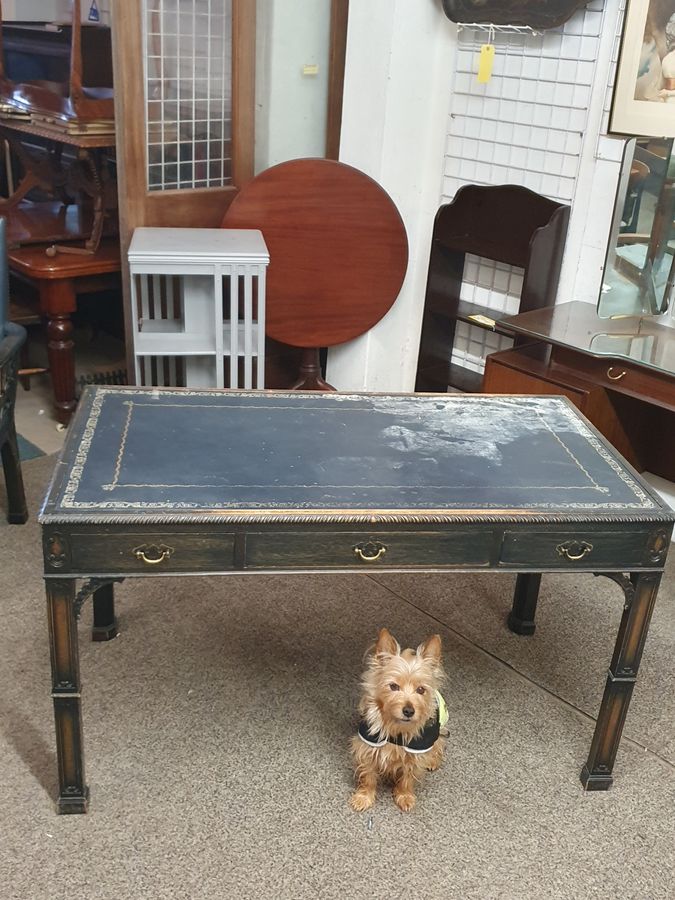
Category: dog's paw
<point>406,802</point>
<point>361,800</point>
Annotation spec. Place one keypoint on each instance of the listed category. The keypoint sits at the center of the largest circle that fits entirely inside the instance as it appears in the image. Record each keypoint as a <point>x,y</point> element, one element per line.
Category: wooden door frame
<point>339,17</point>
<point>139,205</point>
<point>197,207</point>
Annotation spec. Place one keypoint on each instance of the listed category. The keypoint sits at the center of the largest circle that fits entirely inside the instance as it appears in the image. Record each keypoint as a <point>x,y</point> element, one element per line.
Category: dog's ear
<point>431,648</point>
<point>386,643</point>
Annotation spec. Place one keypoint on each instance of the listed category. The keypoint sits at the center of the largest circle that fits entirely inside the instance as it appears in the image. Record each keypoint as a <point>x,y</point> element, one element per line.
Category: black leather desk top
<point>136,452</point>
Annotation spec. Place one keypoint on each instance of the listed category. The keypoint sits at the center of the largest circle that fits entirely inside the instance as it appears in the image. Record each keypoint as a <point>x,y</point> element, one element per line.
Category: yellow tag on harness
<point>443,714</point>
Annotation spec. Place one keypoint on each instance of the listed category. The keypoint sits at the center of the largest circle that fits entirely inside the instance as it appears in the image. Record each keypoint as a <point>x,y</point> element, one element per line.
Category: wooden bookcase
<point>508,224</point>
<point>198,305</point>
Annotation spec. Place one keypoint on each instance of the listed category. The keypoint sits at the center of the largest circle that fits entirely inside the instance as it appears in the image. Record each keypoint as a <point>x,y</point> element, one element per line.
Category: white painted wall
<point>416,120</point>
<point>539,122</point>
<point>29,10</point>
<point>291,106</point>
<point>400,57</point>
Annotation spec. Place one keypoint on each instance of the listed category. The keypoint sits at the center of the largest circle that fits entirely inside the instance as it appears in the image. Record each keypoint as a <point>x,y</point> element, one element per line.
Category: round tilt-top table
<point>338,253</point>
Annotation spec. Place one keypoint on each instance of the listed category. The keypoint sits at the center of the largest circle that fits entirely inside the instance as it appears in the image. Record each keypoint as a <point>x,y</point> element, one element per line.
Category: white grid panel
<point>188,92</point>
<point>526,127</point>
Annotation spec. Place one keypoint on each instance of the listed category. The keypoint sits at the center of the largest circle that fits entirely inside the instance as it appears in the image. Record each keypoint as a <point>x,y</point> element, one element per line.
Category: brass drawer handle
<point>618,376</point>
<point>157,553</point>
<point>370,551</point>
<point>574,550</point>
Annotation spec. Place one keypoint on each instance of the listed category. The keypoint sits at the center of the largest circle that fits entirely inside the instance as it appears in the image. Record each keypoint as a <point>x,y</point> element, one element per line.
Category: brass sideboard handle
<point>154,560</point>
<point>616,377</point>
<point>574,549</point>
<point>370,551</point>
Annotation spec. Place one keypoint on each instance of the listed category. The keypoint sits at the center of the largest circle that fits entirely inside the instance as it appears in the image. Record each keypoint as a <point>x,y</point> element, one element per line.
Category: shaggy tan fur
<point>398,698</point>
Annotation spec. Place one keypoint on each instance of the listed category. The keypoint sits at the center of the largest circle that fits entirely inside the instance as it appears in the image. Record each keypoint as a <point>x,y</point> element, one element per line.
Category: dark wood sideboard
<point>620,373</point>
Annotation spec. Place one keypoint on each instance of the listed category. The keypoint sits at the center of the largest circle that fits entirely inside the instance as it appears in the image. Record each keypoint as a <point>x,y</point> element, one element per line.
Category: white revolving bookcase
<point>198,307</point>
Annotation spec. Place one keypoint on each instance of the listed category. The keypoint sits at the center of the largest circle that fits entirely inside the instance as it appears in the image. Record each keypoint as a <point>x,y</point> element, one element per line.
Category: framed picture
<point>644,93</point>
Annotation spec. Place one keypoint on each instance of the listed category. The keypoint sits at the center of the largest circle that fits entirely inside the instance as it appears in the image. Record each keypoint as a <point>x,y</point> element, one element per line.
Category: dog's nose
<point>408,711</point>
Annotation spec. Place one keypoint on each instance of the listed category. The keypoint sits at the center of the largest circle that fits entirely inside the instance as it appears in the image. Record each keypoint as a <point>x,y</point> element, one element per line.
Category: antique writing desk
<point>178,482</point>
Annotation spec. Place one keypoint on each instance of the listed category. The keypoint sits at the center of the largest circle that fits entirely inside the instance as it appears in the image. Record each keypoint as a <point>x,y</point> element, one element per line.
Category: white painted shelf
<point>189,287</point>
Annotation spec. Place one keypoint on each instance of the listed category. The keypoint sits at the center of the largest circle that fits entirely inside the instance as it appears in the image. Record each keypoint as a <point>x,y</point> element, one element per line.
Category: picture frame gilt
<point>538,16</point>
<point>643,101</point>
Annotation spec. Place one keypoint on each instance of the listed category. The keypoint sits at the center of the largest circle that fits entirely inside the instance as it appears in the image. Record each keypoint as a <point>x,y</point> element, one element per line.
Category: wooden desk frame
<point>629,547</point>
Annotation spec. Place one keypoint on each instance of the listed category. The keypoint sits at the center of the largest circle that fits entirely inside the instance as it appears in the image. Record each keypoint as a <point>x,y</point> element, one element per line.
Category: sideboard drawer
<point>341,549</point>
<point>152,552</point>
<point>570,549</point>
<point>617,375</point>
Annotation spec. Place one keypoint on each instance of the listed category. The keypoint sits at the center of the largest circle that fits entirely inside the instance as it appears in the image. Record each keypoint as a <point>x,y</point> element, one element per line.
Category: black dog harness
<point>420,744</point>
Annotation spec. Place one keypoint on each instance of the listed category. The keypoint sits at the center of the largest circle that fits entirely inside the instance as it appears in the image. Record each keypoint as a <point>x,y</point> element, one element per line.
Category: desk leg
<point>521,617</point>
<point>73,792</point>
<point>596,775</point>
<point>105,626</point>
<point>58,301</point>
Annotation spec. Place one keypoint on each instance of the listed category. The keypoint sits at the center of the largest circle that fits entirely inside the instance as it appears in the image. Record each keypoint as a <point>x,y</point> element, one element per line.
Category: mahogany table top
<point>32,261</point>
<point>338,249</point>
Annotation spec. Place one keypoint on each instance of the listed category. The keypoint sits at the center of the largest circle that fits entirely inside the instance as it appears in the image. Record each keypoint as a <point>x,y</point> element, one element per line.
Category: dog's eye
<point>394,687</point>
<point>421,690</point>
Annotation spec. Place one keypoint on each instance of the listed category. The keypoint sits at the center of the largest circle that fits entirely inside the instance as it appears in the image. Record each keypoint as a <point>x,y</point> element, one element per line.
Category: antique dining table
<point>57,282</point>
<point>183,482</point>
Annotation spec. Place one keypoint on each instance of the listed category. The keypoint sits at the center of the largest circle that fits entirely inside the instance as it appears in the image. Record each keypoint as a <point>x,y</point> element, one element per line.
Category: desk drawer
<point>342,549</point>
<point>574,549</point>
<point>152,552</point>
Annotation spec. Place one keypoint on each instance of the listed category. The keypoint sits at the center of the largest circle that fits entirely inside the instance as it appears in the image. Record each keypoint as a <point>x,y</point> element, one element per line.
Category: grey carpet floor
<point>216,728</point>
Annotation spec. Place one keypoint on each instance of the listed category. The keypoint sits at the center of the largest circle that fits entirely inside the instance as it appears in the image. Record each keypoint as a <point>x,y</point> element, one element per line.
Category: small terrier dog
<point>402,713</point>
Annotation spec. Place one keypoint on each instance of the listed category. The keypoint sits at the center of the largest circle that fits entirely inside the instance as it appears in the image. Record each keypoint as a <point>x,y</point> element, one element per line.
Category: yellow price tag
<point>485,61</point>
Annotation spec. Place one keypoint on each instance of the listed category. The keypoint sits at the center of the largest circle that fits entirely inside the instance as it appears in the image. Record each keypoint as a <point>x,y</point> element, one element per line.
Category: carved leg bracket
<point>624,583</point>
<point>88,589</point>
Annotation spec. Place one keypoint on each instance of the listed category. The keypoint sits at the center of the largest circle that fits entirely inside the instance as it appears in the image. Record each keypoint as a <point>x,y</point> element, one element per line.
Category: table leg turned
<point>105,625</point>
<point>596,775</point>
<point>58,301</point>
<point>73,792</point>
<point>521,617</point>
